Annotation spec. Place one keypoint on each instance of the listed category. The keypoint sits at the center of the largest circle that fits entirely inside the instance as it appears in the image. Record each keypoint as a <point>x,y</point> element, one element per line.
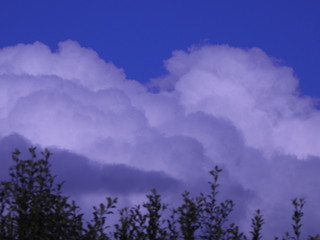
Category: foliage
<point>257,222</point>
<point>32,206</point>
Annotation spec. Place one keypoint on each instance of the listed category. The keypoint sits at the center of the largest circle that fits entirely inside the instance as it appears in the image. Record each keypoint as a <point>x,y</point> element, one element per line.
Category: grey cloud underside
<point>83,177</point>
<point>236,108</point>
<point>108,178</point>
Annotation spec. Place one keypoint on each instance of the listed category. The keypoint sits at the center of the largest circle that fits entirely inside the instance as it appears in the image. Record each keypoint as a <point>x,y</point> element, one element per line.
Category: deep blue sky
<point>138,35</point>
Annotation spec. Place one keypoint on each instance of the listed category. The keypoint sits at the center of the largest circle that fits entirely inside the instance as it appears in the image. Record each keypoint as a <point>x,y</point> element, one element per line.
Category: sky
<point>155,93</point>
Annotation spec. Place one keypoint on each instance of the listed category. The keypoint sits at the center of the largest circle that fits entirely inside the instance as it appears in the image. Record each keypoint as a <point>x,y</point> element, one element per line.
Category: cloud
<point>255,92</point>
<point>238,108</point>
<point>82,176</point>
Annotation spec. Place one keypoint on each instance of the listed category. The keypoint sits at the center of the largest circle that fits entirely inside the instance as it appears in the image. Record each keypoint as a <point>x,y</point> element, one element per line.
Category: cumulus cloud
<point>255,92</point>
<point>238,108</point>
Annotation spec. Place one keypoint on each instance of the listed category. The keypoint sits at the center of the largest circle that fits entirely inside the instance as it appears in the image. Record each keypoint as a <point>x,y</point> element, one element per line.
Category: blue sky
<point>139,35</point>
<point>228,97</point>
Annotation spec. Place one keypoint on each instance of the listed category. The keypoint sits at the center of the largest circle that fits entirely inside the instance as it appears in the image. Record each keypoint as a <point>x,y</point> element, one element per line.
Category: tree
<point>32,206</point>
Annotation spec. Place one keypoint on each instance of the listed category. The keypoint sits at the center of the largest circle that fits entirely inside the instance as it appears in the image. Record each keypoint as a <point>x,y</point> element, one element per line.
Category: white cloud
<point>217,104</point>
<point>257,94</point>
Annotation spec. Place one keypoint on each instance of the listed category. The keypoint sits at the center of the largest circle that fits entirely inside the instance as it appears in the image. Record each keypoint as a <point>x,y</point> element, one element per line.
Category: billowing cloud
<point>234,107</point>
<point>252,90</point>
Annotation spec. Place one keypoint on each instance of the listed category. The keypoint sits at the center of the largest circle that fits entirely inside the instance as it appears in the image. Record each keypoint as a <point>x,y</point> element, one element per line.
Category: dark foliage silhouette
<point>32,206</point>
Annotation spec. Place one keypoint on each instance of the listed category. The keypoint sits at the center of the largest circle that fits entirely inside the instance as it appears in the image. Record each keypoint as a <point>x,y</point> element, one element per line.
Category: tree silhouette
<point>32,206</point>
